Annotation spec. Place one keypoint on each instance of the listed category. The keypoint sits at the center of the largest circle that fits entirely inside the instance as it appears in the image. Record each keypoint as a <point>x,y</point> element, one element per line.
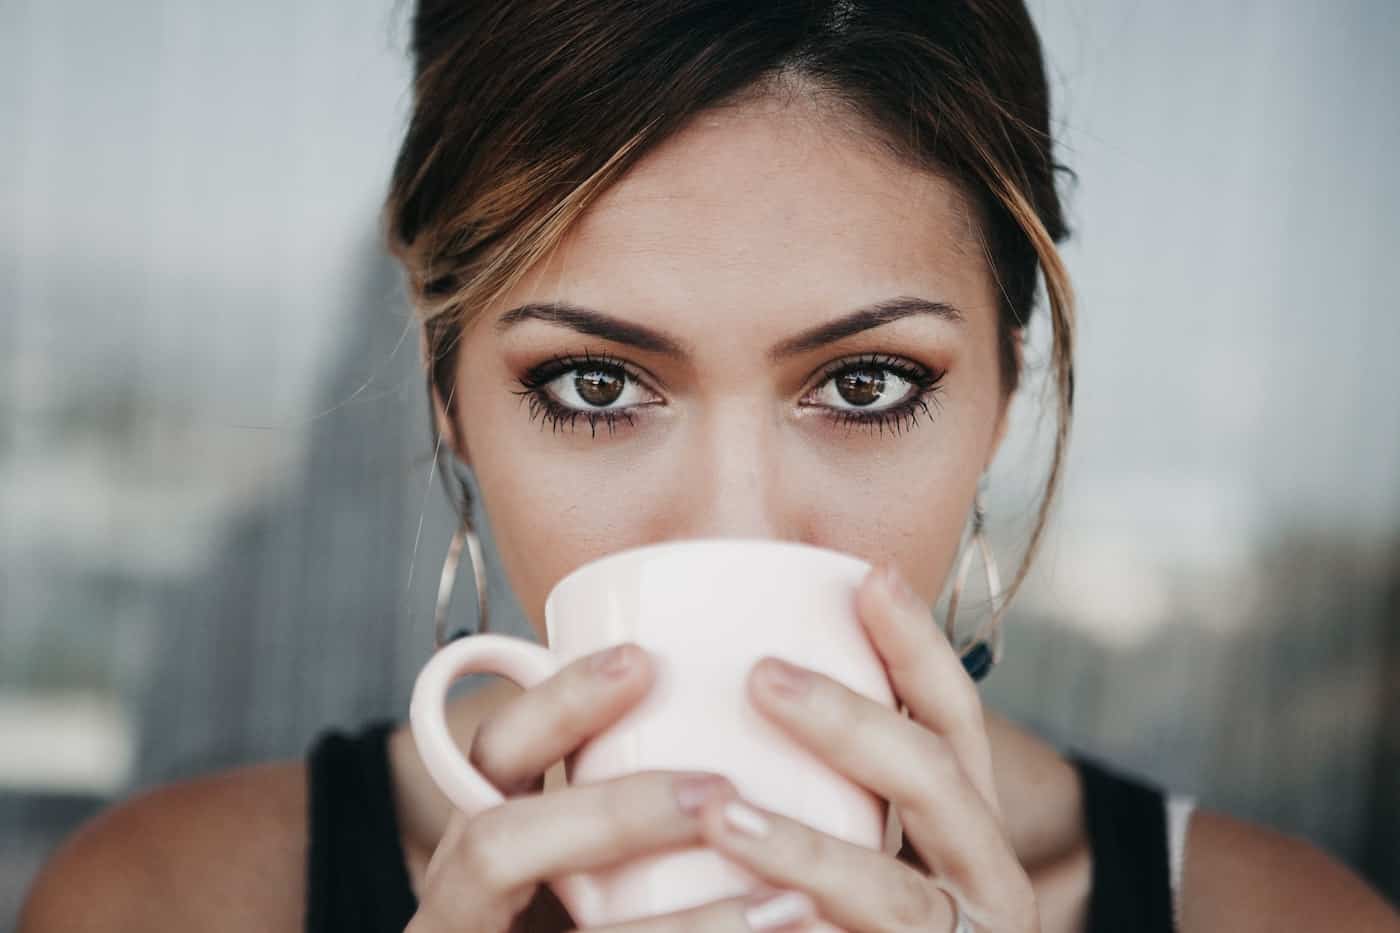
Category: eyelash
<point>925,386</point>
<point>544,405</point>
<point>899,417</point>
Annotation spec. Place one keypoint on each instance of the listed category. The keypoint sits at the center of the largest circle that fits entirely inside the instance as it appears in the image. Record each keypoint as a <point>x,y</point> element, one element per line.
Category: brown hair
<point>526,110</point>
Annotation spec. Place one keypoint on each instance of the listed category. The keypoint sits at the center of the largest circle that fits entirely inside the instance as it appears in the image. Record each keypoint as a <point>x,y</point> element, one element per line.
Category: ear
<point>444,424</point>
<point>1004,408</point>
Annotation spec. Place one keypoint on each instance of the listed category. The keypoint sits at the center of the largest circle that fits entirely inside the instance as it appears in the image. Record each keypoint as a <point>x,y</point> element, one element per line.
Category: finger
<point>926,672</point>
<point>945,817</point>
<point>857,888</point>
<point>763,910</point>
<point>531,731</point>
<point>494,860</point>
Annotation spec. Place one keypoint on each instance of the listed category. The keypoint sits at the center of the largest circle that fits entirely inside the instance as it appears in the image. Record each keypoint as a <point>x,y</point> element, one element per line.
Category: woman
<point>718,268</point>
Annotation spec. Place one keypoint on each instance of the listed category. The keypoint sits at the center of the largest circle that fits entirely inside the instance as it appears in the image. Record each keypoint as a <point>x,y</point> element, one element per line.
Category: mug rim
<point>708,542</point>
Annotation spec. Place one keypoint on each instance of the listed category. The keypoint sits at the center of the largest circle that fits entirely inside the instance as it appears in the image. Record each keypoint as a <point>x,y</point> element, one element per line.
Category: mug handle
<point>523,662</point>
<point>527,664</point>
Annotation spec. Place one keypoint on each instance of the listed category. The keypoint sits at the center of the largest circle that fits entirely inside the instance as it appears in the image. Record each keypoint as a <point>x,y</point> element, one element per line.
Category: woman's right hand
<point>486,868</point>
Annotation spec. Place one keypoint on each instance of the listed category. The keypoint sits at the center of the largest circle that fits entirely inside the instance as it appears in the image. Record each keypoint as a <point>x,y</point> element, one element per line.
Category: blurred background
<point>218,532</point>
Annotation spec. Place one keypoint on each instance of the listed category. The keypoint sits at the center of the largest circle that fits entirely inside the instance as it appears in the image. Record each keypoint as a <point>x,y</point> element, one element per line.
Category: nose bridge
<point>737,473</point>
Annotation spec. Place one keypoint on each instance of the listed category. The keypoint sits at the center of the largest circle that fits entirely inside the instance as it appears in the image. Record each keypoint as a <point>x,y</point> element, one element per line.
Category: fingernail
<point>785,678</point>
<point>614,662</point>
<point>779,910</point>
<point>745,819</point>
<point>695,790</point>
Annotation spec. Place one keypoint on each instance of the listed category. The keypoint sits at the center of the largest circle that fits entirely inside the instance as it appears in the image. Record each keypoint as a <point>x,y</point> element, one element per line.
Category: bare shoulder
<point>1241,876</point>
<point>1237,876</point>
<point>221,852</point>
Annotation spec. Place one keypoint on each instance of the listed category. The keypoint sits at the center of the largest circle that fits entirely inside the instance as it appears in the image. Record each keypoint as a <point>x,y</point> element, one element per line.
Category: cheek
<point>552,513</point>
<point>908,498</point>
<point>553,506</point>
<point>548,515</point>
<point>914,516</point>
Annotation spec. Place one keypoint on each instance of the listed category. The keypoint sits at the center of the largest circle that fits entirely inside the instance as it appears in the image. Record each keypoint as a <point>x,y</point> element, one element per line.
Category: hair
<point>525,111</point>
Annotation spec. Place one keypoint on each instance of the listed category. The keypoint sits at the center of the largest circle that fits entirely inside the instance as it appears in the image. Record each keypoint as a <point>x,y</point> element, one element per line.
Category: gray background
<point>214,472</point>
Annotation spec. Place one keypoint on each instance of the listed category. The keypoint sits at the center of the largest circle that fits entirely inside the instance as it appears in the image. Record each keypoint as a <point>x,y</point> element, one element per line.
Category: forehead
<point>771,207</point>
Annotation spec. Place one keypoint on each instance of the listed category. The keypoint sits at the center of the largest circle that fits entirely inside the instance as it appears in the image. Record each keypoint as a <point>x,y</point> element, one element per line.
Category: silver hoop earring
<point>464,533</point>
<point>984,649</point>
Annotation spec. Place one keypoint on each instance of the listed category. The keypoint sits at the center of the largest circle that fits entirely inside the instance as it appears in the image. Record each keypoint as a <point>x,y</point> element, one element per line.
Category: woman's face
<point>713,372</point>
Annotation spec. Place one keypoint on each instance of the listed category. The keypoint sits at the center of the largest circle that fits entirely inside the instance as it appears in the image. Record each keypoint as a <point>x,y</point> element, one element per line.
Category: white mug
<point>706,609</point>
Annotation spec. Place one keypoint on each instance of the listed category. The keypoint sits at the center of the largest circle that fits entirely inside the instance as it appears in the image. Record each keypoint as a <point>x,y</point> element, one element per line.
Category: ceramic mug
<point>706,609</point>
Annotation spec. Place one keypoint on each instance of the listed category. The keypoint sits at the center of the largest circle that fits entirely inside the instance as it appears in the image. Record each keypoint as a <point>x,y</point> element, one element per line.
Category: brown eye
<point>861,386</point>
<point>588,386</point>
<point>598,387</point>
<point>875,391</point>
<point>867,387</point>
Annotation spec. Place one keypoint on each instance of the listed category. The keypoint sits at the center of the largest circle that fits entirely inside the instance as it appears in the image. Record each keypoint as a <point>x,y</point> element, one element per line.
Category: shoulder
<point>1237,876</point>
<point>1241,876</point>
<point>221,852</point>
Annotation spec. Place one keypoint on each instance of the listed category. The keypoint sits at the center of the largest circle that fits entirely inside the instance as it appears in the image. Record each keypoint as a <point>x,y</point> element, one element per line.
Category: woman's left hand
<point>934,767</point>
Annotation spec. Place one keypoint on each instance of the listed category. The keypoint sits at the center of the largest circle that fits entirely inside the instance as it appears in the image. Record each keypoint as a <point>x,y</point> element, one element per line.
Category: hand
<point>486,869</point>
<point>934,767</point>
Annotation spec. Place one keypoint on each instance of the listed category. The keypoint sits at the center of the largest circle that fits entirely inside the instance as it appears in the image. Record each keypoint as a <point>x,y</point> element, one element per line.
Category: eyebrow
<point>607,327</point>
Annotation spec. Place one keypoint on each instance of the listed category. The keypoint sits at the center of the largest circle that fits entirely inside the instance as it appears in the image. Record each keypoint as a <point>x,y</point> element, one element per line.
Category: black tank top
<point>357,879</point>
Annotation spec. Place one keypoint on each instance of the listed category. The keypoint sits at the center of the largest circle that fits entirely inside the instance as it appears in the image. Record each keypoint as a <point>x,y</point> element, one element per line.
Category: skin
<point>943,790</point>
<point>718,240</point>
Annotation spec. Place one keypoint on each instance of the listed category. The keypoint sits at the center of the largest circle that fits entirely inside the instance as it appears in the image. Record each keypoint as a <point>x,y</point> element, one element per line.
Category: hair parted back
<point>525,111</point>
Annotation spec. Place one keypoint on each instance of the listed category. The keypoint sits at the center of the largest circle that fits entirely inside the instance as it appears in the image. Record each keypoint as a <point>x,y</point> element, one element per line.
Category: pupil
<point>861,386</point>
<point>598,387</point>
